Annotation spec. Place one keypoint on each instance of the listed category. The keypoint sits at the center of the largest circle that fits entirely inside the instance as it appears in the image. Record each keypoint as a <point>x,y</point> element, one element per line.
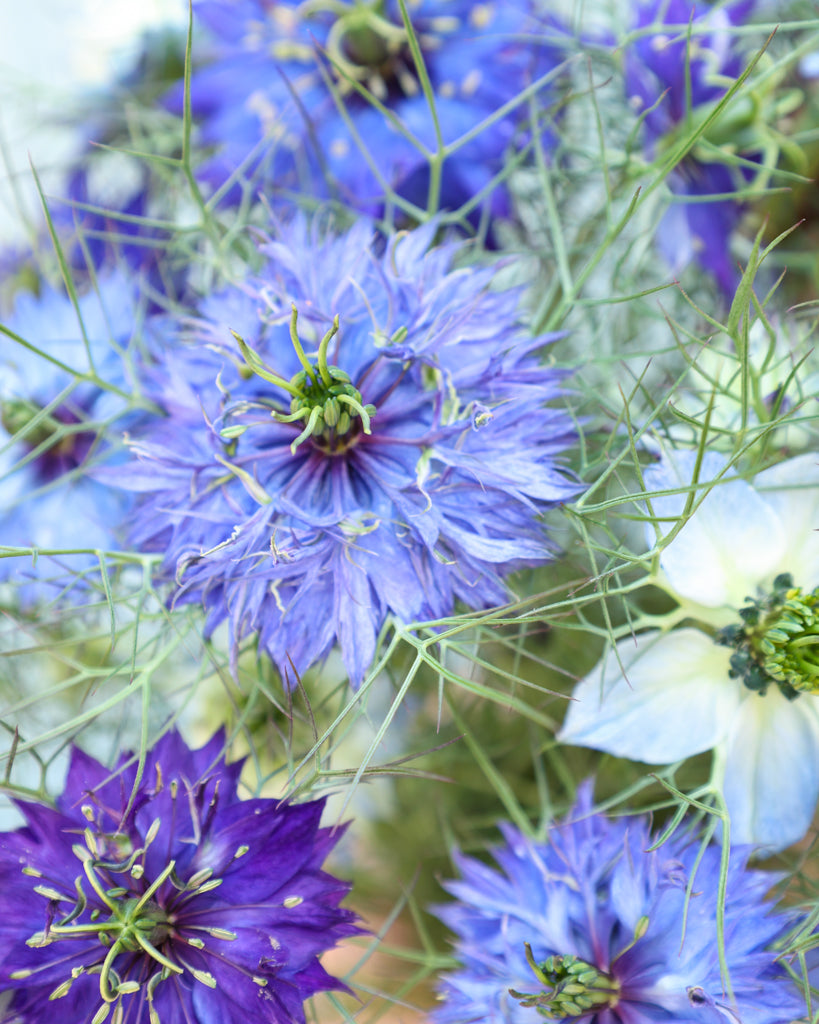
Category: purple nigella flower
<point>265,91</point>
<point>674,77</point>
<point>399,465</point>
<point>161,896</point>
<point>596,925</point>
<point>50,420</point>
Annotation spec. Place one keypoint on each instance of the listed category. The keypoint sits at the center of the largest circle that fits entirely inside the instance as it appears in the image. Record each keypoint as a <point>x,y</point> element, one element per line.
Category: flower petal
<point>674,700</point>
<point>772,769</point>
<point>733,542</point>
<point>791,489</point>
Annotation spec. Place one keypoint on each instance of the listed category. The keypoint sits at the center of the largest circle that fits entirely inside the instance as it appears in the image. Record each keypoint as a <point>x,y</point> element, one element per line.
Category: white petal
<point>791,489</point>
<point>675,700</point>
<point>772,769</point>
<point>732,543</point>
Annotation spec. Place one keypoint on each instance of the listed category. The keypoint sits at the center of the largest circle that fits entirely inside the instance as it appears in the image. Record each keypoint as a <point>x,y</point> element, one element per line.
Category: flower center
<point>364,46</point>
<point>135,922</point>
<point>62,447</point>
<point>777,641</point>
<point>323,397</point>
<point>576,987</point>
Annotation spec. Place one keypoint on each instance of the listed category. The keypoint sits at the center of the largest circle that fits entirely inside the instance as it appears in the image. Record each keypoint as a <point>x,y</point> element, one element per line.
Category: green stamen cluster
<point>577,988</point>
<point>791,644</point>
<point>778,641</point>
<point>364,46</point>
<point>127,918</point>
<point>322,396</point>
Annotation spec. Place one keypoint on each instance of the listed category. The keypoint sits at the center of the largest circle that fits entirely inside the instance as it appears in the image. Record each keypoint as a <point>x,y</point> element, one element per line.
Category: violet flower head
<point>673,77</point>
<point>50,420</point>
<point>265,91</point>
<point>381,447</point>
<point>594,925</point>
<point>164,898</point>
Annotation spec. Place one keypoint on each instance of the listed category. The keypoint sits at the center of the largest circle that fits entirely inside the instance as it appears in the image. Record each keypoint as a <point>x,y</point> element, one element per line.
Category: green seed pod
<point>318,424</point>
<point>331,412</point>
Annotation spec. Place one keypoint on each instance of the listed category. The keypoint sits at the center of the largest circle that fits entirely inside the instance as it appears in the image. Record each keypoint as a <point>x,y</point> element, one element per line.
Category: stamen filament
<point>153,952</point>
<point>359,408</point>
<point>315,413</point>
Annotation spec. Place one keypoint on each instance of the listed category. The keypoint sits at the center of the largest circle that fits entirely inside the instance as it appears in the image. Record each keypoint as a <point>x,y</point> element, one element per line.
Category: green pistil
<point>576,987</point>
<point>136,922</point>
<point>778,640</point>
<point>361,42</point>
<point>322,396</point>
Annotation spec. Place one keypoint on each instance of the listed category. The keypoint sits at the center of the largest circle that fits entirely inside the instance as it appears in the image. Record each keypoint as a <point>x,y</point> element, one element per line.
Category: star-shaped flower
<point>158,896</point>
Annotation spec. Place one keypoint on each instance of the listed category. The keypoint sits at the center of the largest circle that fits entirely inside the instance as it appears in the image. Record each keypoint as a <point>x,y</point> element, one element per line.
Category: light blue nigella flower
<point>613,935</point>
<point>389,468</point>
<point>49,423</point>
<point>673,76</point>
<point>736,667</point>
<point>263,89</point>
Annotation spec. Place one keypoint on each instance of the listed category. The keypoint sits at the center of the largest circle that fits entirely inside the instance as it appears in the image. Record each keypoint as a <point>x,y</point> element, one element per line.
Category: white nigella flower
<point>741,675</point>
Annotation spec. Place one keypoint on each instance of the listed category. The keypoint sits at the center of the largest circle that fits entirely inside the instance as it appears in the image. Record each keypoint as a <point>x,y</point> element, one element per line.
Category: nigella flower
<point>673,76</point>
<point>381,447</point>
<point>160,897</point>
<point>265,85</point>
<point>742,676</point>
<point>52,408</point>
<point>596,925</point>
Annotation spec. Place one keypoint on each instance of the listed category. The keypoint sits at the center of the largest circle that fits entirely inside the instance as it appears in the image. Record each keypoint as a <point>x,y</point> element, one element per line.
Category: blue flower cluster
<point>295,93</point>
<point>294,381</point>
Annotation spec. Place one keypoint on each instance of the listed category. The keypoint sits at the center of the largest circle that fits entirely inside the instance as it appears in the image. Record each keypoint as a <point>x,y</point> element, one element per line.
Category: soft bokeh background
<point>54,55</point>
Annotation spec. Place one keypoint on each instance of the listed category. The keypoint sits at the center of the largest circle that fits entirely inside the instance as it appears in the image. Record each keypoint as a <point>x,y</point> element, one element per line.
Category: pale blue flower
<point>54,400</point>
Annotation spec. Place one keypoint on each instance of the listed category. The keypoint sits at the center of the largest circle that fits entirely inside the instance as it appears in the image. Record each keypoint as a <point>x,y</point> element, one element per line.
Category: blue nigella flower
<point>264,92</point>
<point>673,76</point>
<point>50,421</point>
<point>160,896</point>
<point>595,925</point>
<point>400,464</point>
